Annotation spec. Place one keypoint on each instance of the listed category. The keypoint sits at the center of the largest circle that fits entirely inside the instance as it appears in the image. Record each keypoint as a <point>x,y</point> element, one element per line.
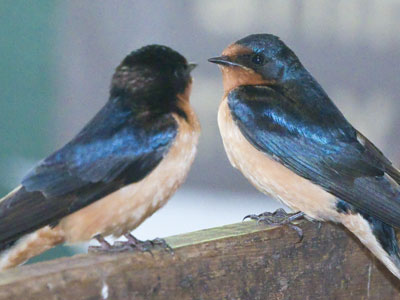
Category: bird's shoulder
<point>277,111</point>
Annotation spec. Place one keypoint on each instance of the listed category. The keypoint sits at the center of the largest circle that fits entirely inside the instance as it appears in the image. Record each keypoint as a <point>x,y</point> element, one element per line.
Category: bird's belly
<point>126,208</point>
<point>271,177</point>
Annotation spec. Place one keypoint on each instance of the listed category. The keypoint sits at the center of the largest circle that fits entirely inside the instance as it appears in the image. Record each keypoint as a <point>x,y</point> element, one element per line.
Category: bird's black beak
<point>191,67</point>
<point>224,61</point>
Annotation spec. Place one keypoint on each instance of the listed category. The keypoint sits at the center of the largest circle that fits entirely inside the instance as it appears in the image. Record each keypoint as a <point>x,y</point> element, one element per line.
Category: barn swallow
<point>117,171</point>
<point>287,137</point>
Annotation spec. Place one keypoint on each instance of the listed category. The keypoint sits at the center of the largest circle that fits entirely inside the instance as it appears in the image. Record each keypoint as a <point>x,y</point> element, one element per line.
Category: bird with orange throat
<point>283,132</point>
<point>117,171</point>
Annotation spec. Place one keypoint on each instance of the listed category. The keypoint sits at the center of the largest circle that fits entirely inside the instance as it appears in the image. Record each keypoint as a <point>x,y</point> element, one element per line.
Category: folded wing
<point>325,149</point>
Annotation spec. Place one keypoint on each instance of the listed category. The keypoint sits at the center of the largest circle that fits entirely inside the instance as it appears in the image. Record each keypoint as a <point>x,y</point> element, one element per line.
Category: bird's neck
<point>150,103</point>
<point>234,77</point>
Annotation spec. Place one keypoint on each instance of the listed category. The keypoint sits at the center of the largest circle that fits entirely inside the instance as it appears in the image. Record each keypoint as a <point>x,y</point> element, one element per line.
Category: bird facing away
<point>283,132</point>
<point>120,168</point>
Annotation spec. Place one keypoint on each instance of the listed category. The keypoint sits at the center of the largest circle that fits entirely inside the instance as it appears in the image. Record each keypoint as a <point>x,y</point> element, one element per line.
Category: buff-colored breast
<point>271,177</point>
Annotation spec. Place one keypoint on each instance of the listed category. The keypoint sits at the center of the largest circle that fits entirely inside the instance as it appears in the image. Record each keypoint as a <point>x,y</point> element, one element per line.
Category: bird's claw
<point>104,245</point>
<point>279,218</point>
<point>131,244</point>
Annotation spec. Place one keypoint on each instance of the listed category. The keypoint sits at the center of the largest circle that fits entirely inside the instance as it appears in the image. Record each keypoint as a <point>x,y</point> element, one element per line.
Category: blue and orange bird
<point>117,171</point>
<point>287,137</point>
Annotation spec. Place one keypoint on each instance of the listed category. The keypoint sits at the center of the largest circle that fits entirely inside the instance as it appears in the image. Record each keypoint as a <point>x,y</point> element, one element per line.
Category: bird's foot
<point>143,246</point>
<point>279,218</point>
<point>104,245</point>
<point>131,244</point>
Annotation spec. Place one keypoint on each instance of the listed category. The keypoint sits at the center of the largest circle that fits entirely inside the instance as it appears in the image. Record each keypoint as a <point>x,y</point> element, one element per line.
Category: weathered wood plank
<point>239,261</point>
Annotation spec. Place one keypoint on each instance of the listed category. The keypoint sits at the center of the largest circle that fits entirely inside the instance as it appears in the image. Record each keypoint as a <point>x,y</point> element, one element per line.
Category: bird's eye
<point>258,59</point>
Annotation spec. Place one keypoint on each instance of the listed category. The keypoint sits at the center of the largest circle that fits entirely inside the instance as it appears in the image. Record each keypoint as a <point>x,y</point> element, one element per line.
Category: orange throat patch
<point>234,76</point>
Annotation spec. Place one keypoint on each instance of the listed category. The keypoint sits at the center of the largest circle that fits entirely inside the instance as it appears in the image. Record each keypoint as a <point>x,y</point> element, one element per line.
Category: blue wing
<point>117,147</point>
<point>114,140</point>
<point>320,146</point>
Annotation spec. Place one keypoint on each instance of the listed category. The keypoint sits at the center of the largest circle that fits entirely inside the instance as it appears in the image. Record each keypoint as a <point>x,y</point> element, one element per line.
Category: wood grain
<point>238,261</point>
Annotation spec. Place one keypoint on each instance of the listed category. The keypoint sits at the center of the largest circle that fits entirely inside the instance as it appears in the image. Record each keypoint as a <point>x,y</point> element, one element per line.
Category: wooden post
<point>239,261</point>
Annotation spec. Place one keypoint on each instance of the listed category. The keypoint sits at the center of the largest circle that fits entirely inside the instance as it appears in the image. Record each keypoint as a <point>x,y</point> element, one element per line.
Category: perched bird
<point>283,132</point>
<point>119,169</point>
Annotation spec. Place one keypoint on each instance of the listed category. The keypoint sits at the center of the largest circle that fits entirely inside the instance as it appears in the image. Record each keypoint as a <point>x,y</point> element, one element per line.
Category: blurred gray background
<point>57,58</point>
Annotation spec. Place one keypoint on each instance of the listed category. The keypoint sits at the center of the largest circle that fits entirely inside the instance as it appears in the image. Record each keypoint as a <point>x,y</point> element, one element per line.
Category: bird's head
<point>155,72</point>
<point>258,59</point>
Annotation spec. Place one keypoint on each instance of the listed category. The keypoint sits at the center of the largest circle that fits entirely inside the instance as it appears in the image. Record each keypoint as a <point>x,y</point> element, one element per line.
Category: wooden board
<point>238,261</point>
